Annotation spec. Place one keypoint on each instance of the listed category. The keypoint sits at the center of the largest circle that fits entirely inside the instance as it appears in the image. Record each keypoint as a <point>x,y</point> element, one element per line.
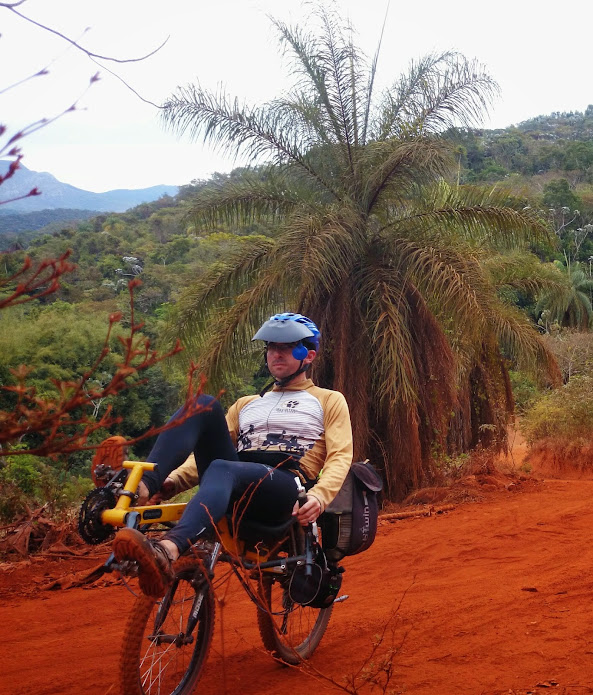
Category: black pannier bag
<point>349,524</point>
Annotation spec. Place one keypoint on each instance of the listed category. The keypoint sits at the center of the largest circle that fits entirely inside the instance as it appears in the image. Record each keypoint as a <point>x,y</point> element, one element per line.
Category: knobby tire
<point>289,630</point>
<point>151,662</point>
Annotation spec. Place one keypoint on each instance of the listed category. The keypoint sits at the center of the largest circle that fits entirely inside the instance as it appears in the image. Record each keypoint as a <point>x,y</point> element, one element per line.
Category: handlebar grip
<point>302,496</point>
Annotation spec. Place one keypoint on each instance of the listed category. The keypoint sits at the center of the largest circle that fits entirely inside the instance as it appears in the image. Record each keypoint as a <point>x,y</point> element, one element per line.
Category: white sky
<point>539,54</point>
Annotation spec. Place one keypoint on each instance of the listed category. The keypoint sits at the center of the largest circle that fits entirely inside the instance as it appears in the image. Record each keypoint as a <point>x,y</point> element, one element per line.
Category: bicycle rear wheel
<point>291,631</point>
<point>163,654</point>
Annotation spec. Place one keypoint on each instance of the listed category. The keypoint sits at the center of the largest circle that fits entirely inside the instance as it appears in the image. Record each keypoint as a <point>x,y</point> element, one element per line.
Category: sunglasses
<point>282,347</point>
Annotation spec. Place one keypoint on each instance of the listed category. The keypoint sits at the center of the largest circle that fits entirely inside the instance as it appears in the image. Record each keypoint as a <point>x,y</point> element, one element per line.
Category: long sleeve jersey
<point>304,421</point>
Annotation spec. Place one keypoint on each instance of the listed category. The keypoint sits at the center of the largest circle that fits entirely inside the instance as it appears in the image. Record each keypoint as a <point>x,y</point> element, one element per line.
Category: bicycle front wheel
<point>166,641</point>
<point>289,630</point>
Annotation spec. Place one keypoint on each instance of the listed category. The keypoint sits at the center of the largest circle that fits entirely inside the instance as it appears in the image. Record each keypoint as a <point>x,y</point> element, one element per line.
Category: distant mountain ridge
<point>18,228</point>
<point>55,194</point>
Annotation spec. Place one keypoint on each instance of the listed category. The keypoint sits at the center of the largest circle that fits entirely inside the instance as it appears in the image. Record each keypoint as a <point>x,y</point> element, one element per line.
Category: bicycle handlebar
<point>142,465</point>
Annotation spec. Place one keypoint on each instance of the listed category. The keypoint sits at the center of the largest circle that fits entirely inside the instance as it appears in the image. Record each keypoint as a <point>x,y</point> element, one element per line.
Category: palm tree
<point>569,302</point>
<point>368,241</point>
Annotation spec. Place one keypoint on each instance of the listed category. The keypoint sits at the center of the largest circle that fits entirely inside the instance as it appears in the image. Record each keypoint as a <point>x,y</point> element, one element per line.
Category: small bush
<point>565,414</point>
<point>30,481</point>
<point>450,466</point>
<point>61,490</point>
<point>525,391</point>
<point>19,481</point>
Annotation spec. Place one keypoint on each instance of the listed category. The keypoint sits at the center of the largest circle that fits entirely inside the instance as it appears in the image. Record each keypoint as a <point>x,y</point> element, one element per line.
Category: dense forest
<point>547,162</point>
<point>17,230</point>
<point>549,159</point>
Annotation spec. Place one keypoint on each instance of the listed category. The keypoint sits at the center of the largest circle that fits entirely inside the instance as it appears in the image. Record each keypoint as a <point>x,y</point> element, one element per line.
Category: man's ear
<point>311,355</point>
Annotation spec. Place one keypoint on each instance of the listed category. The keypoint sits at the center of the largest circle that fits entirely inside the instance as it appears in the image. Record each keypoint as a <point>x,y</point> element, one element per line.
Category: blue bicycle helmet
<point>290,328</point>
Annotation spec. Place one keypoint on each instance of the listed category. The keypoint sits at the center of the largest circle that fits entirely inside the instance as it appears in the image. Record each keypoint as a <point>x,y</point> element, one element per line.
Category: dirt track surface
<point>491,597</point>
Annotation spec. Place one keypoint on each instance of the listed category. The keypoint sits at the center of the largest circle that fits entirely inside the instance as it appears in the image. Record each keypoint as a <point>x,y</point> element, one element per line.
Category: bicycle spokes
<point>167,641</point>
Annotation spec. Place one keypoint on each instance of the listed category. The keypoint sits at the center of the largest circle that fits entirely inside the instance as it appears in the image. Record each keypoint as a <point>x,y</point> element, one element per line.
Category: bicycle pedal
<point>341,598</point>
<point>128,568</point>
<point>202,547</point>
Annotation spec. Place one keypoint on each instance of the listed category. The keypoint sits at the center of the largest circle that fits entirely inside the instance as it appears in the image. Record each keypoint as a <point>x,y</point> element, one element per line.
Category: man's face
<point>281,363</point>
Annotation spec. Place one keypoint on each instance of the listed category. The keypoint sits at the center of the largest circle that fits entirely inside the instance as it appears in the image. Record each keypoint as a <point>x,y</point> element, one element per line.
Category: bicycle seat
<point>254,532</point>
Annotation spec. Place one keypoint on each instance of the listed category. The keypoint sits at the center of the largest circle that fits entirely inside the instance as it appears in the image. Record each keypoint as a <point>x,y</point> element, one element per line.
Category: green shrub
<point>28,482</point>
<point>525,390</point>
<point>61,490</point>
<point>565,414</point>
<point>20,478</point>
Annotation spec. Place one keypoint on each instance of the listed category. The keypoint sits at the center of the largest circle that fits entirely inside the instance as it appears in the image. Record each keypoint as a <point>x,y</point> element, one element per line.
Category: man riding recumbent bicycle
<point>255,509</point>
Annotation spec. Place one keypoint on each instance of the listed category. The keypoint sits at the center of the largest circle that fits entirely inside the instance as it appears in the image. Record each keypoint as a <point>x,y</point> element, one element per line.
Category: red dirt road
<point>492,597</point>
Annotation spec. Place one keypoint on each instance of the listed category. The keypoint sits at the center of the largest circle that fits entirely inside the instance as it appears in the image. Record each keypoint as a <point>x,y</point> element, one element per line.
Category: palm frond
<point>438,92</point>
<point>396,102</point>
<point>493,227</point>
<point>450,280</point>
<point>460,96</point>
<point>394,168</point>
<point>228,349</point>
<point>216,292</point>
<point>517,270</point>
<point>395,376</point>
<point>323,249</point>
<point>519,340</point>
<point>330,67</point>
<point>262,134</point>
<point>264,196</point>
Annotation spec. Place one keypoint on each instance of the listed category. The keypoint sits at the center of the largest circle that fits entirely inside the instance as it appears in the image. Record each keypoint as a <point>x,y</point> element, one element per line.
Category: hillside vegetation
<point>17,230</point>
<point>548,159</point>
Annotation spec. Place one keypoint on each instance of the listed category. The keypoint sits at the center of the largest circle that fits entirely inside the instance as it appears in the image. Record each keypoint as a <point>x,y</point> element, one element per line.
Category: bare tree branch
<point>89,53</point>
<point>9,149</point>
<point>121,79</point>
<point>40,73</point>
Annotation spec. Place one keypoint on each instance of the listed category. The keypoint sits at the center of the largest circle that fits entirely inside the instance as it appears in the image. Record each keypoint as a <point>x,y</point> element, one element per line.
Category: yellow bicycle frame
<point>149,514</point>
<point>162,513</point>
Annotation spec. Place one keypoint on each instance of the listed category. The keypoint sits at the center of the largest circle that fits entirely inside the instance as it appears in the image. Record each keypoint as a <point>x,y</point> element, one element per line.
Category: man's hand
<point>165,493</point>
<point>142,493</point>
<point>168,489</point>
<point>309,512</point>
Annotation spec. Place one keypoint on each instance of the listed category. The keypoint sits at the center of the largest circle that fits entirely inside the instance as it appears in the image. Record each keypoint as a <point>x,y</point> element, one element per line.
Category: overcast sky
<point>540,55</point>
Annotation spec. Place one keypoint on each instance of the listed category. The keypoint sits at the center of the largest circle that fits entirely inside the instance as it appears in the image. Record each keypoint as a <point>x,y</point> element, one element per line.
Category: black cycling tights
<point>224,480</point>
